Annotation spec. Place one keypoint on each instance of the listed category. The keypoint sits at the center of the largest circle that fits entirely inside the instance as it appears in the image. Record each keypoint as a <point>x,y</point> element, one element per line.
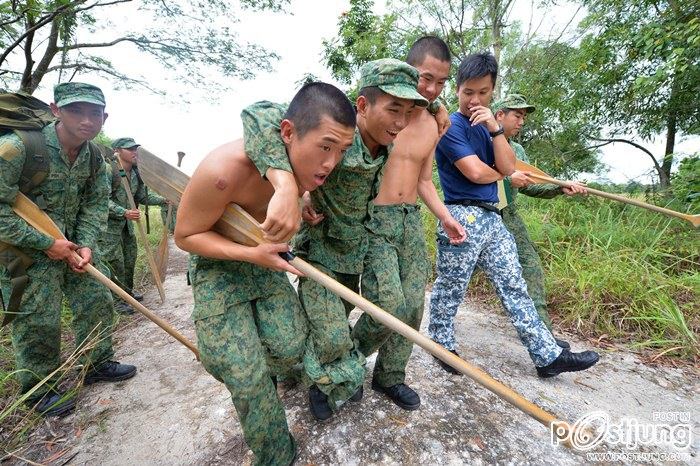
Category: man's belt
<point>470,202</point>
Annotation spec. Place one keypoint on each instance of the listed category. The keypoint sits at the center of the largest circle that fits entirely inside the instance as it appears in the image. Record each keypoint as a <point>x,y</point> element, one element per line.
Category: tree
<point>641,63</point>
<point>188,39</point>
<point>529,66</point>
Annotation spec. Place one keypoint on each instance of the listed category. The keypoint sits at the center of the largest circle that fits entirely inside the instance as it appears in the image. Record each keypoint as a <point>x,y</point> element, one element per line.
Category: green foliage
<point>686,184</point>
<point>642,61</point>
<point>190,40</point>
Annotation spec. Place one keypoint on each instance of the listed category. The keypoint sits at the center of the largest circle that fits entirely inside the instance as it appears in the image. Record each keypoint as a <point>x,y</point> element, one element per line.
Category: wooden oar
<point>237,225</point>
<point>163,251</point>
<point>542,177</point>
<point>37,218</point>
<point>142,233</point>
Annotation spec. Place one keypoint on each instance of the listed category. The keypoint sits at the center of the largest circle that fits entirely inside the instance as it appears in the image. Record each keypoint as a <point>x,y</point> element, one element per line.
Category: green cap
<point>124,143</point>
<point>393,77</point>
<point>68,93</point>
<point>513,102</point>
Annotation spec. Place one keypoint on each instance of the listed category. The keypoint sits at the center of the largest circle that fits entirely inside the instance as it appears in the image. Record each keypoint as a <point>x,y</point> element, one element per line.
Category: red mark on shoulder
<point>221,184</point>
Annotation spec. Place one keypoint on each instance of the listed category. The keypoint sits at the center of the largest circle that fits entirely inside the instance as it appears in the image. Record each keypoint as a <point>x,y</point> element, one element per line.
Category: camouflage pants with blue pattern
<point>490,246</point>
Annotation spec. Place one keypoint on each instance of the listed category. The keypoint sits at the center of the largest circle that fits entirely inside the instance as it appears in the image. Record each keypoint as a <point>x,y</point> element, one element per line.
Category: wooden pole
<point>239,226</point>
<point>37,218</point>
<point>542,177</point>
<point>142,232</point>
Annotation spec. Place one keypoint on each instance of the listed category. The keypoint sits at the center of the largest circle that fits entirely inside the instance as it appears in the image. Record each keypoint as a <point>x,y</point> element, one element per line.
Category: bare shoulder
<point>223,167</point>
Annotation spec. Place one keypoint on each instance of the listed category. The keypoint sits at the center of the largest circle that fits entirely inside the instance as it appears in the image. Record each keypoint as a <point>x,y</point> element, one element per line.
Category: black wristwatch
<point>497,132</point>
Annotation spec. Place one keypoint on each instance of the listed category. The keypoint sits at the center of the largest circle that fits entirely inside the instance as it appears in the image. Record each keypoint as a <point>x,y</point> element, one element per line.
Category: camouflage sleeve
<point>13,229</point>
<point>261,136</point>
<point>92,217</point>
<point>116,211</point>
<point>149,197</point>
<point>543,191</point>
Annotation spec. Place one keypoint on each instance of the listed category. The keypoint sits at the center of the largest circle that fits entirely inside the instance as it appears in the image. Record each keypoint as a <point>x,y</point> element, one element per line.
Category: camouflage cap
<point>512,101</point>
<point>68,93</point>
<point>124,143</point>
<point>393,77</point>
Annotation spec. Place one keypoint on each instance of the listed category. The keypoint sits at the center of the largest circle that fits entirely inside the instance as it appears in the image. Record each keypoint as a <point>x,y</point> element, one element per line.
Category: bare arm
<point>427,192</point>
<point>477,171</point>
<point>208,193</point>
<point>283,215</point>
<point>504,155</point>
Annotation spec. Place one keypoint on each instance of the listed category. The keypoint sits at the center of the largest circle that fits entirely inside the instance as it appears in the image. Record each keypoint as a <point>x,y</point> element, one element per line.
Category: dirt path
<point>174,413</point>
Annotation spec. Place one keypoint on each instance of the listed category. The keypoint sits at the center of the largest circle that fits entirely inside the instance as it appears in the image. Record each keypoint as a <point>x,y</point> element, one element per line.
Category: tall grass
<point>616,270</point>
<point>16,419</point>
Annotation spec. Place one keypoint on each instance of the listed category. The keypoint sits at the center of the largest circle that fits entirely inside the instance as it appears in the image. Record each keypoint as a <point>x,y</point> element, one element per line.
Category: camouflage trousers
<point>529,261</point>
<point>490,246</point>
<point>36,331</point>
<point>331,361</point>
<point>394,278</point>
<point>250,327</point>
<point>120,251</point>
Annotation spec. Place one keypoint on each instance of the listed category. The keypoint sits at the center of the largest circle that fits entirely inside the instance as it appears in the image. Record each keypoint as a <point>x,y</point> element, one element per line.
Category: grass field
<point>615,271</point>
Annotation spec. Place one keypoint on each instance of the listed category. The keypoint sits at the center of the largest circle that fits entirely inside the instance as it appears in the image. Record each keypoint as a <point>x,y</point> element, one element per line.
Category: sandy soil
<point>174,413</point>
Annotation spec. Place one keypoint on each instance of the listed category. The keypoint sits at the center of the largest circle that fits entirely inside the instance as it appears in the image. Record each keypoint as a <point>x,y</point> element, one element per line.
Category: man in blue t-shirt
<point>471,157</point>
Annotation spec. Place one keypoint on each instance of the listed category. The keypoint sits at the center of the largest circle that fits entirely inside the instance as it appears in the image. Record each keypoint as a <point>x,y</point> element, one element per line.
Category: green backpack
<point>26,116</point>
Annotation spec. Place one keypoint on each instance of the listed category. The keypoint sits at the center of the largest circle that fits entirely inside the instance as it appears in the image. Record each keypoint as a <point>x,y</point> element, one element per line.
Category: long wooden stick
<point>37,218</point>
<point>239,226</point>
<point>543,177</point>
<point>142,233</point>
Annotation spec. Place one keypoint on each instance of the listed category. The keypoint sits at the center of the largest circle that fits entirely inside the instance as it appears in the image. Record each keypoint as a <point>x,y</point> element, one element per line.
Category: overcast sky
<point>165,127</point>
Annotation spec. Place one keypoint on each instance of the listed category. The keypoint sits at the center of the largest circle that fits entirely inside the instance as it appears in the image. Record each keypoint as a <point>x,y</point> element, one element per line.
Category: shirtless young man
<point>250,325</point>
<point>396,266</point>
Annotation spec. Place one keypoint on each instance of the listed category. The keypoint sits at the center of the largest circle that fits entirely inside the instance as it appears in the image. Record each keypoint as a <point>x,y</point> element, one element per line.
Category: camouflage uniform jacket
<point>544,191</point>
<point>76,205</point>
<point>119,202</point>
<point>340,241</point>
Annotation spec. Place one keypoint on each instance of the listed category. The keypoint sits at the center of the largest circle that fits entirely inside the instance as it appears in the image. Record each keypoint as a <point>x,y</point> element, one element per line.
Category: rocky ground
<point>174,413</point>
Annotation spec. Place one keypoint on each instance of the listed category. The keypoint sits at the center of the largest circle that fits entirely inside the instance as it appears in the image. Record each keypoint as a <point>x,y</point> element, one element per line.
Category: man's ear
<point>55,110</point>
<point>104,118</point>
<point>361,103</point>
<point>287,131</point>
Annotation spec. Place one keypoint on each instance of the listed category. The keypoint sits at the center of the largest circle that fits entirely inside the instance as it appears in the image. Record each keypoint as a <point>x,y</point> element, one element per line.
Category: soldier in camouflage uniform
<point>118,244</point>
<point>396,265</point>
<point>333,238</point>
<point>74,194</point>
<point>249,322</point>
<point>471,157</point>
<point>511,113</point>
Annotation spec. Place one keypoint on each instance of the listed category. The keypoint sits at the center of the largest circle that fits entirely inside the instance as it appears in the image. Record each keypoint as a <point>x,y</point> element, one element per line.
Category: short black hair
<point>371,93</point>
<point>477,65</point>
<point>428,45</point>
<point>313,101</point>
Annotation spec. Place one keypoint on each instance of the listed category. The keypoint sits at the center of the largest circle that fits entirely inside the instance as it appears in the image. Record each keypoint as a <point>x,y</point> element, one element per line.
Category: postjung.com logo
<point>596,428</point>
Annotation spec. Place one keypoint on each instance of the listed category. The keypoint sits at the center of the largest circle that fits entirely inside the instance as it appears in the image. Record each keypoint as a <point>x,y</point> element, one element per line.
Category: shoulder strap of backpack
<point>36,164</point>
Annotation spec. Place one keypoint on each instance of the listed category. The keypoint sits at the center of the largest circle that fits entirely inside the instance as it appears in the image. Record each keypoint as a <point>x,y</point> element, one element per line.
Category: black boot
<point>358,395</point>
<point>53,404</point>
<point>123,308</point>
<point>318,403</point>
<point>136,295</point>
<point>401,394</point>
<point>446,366</point>
<point>562,344</point>
<point>110,371</point>
<point>569,362</point>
